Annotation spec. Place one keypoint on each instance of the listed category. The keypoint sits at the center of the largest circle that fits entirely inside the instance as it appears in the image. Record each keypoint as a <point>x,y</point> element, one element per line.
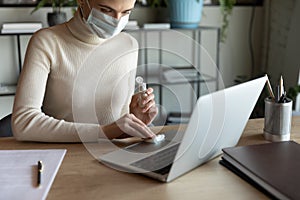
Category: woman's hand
<point>143,106</point>
<point>127,125</point>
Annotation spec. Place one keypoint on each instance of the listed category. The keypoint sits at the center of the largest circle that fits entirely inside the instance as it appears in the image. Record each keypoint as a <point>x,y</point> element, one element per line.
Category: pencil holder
<point>278,117</point>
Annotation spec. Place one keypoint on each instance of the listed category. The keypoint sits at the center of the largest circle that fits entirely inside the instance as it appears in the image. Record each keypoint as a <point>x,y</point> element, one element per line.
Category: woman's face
<point>114,8</point>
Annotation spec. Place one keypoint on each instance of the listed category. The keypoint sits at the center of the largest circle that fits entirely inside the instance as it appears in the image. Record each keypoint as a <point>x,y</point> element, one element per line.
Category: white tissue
<point>157,139</point>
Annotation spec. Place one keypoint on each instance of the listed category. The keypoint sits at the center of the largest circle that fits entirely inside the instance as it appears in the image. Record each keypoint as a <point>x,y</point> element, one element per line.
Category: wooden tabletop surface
<point>81,176</point>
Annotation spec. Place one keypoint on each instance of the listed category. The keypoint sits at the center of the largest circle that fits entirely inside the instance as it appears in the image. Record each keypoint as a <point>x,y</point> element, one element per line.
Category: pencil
<point>270,88</point>
<point>281,88</point>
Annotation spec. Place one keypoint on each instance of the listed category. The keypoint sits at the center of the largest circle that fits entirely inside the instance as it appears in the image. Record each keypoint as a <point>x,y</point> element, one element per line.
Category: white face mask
<point>106,26</point>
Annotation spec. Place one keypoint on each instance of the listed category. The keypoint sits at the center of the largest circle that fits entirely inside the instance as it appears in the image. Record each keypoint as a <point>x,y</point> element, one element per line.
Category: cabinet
<point>5,89</point>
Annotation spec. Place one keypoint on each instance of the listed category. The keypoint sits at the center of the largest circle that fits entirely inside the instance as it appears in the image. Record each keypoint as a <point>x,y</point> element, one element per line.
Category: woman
<point>45,101</point>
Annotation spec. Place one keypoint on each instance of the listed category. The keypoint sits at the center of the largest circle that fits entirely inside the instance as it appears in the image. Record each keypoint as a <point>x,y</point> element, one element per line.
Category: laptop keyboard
<point>159,162</point>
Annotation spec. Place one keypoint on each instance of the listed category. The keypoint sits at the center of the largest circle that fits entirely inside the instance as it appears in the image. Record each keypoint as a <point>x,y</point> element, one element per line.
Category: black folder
<point>274,168</point>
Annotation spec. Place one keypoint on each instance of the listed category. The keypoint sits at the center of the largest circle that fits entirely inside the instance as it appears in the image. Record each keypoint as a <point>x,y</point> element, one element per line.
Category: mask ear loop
<point>81,10</point>
<point>88,3</point>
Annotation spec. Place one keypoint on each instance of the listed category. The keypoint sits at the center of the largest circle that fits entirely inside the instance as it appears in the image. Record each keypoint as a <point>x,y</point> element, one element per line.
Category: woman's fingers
<point>147,102</point>
<point>140,127</point>
<point>148,106</point>
<point>133,126</point>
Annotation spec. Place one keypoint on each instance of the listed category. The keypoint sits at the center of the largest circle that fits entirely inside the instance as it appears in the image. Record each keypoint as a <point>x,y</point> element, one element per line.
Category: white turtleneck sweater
<point>72,82</point>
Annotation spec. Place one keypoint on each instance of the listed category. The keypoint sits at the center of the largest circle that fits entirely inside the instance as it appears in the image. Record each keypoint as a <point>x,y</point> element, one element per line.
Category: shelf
<point>29,4</point>
<point>10,89</point>
<point>178,75</point>
<point>240,3</point>
<point>200,28</point>
<point>18,36</point>
<point>6,90</point>
<point>178,118</point>
<point>15,34</point>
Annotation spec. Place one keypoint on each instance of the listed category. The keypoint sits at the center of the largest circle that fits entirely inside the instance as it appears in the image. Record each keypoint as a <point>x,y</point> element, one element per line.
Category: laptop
<point>217,121</point>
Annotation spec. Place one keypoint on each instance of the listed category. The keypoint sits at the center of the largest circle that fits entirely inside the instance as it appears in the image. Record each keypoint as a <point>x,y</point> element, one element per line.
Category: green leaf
<point>56,4</point>
<point>40,4</point>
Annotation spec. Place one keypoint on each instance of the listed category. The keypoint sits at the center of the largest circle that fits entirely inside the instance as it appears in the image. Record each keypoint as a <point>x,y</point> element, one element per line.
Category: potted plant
<point>293,93</point>
<point>187,13</point>
<point>183,14</point>
<point>226,9</point>
<point>56,16</point>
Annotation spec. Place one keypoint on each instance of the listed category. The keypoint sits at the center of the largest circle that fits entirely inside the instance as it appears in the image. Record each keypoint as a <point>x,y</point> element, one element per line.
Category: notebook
<point>217,121</point>
<point>272,167</point>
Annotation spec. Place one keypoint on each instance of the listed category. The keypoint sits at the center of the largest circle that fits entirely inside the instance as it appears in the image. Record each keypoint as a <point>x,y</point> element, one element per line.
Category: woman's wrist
<point>112,131</point>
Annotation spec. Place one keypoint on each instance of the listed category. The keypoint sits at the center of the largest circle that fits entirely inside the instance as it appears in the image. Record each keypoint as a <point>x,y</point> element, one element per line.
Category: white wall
<point>234,54</point>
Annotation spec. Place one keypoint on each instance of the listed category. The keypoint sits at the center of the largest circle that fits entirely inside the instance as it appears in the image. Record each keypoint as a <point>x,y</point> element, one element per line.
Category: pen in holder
<point>278,116</point>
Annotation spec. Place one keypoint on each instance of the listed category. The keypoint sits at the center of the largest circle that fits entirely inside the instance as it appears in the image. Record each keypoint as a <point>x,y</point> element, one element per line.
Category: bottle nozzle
<point>141,85</point>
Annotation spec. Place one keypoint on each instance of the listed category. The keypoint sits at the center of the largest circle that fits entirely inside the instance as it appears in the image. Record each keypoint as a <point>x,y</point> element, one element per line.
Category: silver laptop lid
<point>217,121</point>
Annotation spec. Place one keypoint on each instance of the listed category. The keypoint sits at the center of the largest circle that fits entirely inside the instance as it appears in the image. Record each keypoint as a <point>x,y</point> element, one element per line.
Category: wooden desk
<point>82,177</point>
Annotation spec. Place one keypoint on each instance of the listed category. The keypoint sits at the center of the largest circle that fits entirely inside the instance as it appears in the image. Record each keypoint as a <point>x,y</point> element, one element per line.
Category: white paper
<point>18,172</point>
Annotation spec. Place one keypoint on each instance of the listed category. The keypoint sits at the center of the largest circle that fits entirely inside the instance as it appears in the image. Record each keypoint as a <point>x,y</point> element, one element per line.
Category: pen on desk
<point>39,174</point>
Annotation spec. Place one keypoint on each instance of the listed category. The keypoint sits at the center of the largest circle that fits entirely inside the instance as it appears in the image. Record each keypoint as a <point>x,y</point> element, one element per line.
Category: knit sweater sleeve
<point>29,122</point>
